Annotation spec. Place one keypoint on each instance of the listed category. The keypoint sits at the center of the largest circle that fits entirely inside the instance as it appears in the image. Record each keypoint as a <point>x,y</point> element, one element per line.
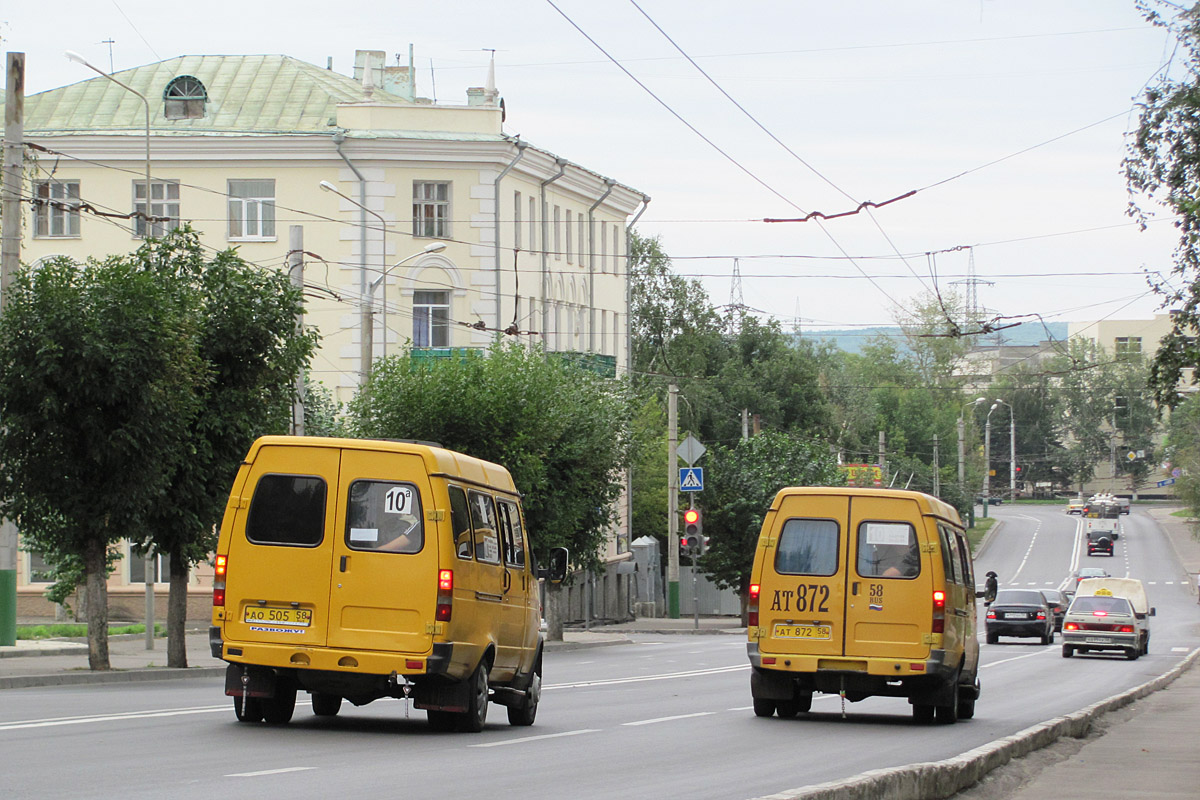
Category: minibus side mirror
<point>1152,611</point>
<point>557,571</point>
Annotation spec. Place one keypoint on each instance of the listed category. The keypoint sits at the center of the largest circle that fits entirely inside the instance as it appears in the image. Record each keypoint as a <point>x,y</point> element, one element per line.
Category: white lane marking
<point>660,677</point>
<point>55,722</point>
<point>267,772</point>
<point>741,708</point>
<point>536,738</point>
<point>667,719</point>
<point>1180,650</point>
<point>1028,550</point>
<point>1014,658</point>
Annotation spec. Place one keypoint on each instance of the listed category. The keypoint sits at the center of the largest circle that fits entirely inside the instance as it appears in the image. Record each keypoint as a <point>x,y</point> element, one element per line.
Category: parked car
<point>1058,605</point>
<point>993,500</point>
<point>1020,612</point>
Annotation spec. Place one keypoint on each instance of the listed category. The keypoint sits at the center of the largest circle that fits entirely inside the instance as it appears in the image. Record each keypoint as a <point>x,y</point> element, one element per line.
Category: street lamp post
<point>987,459</point>
<point>78,59</point>
<point>148,562</point>
<point>1012,452</point>
<point>961,454</point>
<point>432,247</point>
<point>367,345</point>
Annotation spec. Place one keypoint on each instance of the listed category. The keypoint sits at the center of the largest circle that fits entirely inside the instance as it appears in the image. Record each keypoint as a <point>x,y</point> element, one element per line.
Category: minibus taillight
<point>939,611</point>
<point>221,565</point>
<point>752,606</point>
<point>445,595</point>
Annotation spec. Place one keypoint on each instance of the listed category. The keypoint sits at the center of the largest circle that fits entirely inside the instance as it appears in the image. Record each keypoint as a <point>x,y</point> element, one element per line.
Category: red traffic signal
<point>691,516</point>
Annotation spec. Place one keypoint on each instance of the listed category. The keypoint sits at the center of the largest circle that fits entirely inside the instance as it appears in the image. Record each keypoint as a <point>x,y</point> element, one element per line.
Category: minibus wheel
<point>326,705</point>
<point>763,707</point>
<point>248,709</point>
<point>947,714</point>
<point>472,721</point>
<point>278,710</point>
<point>525,713</point>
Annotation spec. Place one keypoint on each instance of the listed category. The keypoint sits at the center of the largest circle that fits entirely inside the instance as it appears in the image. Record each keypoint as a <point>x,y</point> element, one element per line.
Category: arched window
<point>184,98</point>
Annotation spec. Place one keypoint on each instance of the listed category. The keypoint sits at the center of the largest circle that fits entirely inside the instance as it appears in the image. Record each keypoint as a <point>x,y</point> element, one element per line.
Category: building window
<point>252,209</point>
<point>557,234</point>
<point>532,223</point>
<point>585,247</point>
<point>431,319</point>
<point>39,570</point>
<point>161,566</point>
<point>604,247</point>
<point>164,207</point>
<point>431,209</point>
<point>569,261</point>
<point>517,220</point>
<point>56,208</point>
<point>184,98</point>
<point>616,248</point>
<point>1129,346</point>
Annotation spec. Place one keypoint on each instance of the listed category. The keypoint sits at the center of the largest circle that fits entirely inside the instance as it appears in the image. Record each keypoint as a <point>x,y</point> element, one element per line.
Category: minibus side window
<point>483,524</point>
<point>951,560</point>
<point>514,536</point>
<point>384,516</point>
<point>965,551</point>
<point>287,510</point>
<point>460,522</point>
<point>888,550</point>
<point>807,547</point>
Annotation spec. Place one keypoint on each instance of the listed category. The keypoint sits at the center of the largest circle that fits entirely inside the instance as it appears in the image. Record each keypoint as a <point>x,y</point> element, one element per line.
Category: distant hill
<point>852,340</point>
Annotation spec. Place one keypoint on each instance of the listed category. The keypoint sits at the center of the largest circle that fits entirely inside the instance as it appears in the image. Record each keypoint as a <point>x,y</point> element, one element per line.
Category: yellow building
<point>423,217</point>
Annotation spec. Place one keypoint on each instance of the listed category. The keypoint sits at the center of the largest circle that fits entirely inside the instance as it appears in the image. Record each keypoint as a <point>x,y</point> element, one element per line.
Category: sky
<point>1007,117</point>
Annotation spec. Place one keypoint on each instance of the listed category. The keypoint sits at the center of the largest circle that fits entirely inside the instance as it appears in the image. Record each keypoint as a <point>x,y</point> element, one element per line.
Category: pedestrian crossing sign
<point>691,479</point>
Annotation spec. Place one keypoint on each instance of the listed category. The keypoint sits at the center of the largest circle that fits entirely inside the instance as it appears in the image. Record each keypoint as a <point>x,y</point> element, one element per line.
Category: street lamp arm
<point>435,247</point>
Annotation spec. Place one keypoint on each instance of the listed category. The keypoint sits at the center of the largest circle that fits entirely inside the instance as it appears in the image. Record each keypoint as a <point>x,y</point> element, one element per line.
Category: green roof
<point>246,94</point>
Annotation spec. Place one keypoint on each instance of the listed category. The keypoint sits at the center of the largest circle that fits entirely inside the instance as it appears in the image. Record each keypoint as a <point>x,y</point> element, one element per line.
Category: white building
<point>239,147</point>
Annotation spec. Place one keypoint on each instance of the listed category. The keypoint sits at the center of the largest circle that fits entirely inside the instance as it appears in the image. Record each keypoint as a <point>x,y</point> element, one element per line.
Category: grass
<point>1186,513</point>
<point>76,631</point>
<point>977,531</point>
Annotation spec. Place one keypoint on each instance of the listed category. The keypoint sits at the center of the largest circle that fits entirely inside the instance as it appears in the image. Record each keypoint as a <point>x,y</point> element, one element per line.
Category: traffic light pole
<point>695,592</point>
<point>672,502</point>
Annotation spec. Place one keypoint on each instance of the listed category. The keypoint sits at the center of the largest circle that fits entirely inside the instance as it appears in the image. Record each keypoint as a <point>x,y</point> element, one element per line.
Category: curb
<point>1162,519</point>
<point>934,780</point>
<point>84,677</point>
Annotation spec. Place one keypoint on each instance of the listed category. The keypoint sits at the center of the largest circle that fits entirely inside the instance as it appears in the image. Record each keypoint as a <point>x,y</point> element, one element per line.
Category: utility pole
<point>883,457</point>
<point>673,501</point>
<point>937,478</point>
<point>10,259</point>
<point>296,273</point>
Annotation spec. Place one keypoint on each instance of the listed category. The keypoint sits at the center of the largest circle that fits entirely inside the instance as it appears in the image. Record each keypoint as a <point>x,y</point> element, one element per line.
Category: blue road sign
<point>1167,482</point>
<point>691,479</point>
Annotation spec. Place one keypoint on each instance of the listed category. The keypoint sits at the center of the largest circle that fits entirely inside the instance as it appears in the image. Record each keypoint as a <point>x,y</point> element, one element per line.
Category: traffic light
<point>692,540</point>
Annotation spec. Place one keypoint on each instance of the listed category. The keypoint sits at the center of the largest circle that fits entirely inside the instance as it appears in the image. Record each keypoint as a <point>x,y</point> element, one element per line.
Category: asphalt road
<point>668,716</point>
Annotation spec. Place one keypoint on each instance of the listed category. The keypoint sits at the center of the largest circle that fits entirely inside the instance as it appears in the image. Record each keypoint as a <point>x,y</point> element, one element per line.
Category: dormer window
<point>184,98</point>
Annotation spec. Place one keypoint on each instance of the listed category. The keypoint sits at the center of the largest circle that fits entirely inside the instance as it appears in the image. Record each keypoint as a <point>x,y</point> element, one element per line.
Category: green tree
<point>561,430</point>
<point>1182,448</point>
<point>252,353</point>
<point>100,373</point>
<point>1085,393</point>
<point>740,483</point>
<point>1162,167</point>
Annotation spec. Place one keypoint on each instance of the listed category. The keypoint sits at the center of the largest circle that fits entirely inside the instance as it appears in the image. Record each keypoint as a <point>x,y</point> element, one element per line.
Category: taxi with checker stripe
<point>860,593</point>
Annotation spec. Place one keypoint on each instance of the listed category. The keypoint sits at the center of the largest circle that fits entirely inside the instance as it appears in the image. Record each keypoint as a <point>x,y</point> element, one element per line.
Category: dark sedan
<point>1058,605</point>
<point>1020,612</point>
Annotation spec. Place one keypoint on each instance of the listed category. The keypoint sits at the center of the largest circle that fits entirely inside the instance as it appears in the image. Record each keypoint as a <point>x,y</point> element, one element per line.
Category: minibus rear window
<point>287,510</point>
<point>888,550</point>
<point>384,516</point>
<point>807,547</point>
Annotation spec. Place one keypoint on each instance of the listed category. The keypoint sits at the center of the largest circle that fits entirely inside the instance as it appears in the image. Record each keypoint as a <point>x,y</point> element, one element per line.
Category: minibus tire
<point>326,705</point>
<point>473,720</point>
<point>525,713</point>
<point>763,707</point>
<point>948,714</point>
<point>278,710</point>
<point>248,709</point>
